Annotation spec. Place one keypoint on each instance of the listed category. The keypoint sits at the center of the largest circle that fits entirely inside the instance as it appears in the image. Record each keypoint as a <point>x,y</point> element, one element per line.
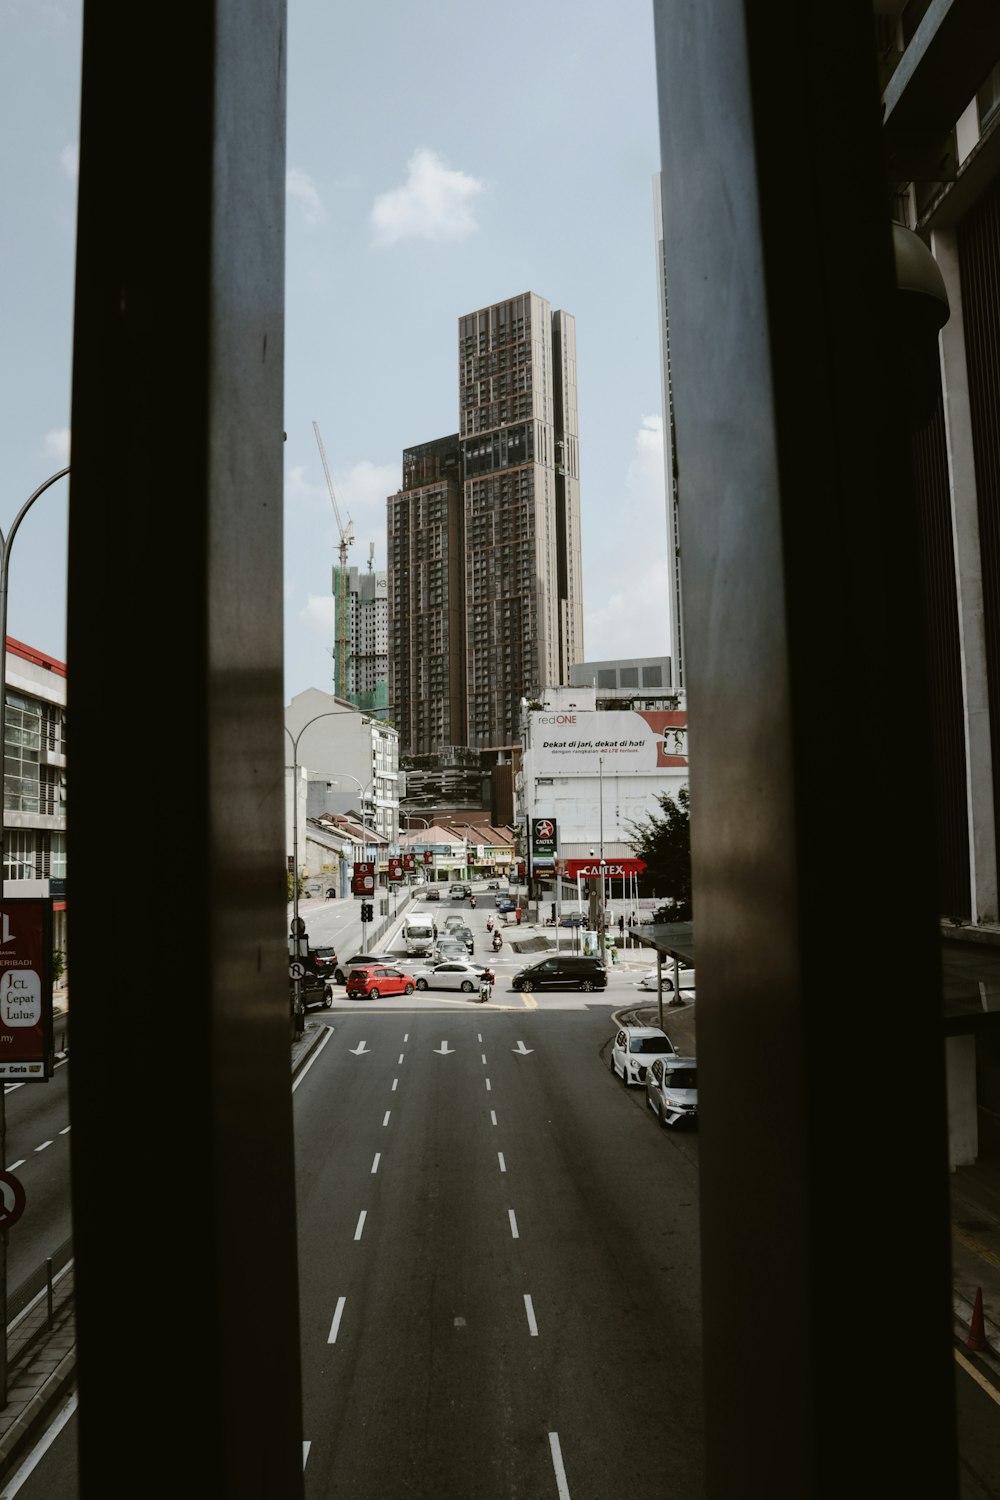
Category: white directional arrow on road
<point>522,1050</point>
<point>358,1050</point>
<point>445,1050</point>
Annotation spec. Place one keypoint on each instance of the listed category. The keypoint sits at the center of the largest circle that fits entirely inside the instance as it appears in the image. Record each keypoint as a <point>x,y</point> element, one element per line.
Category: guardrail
<point>39,1303</point>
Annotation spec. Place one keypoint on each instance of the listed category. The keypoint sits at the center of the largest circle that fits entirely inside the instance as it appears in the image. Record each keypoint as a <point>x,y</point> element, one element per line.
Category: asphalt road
<point>498,1263</point>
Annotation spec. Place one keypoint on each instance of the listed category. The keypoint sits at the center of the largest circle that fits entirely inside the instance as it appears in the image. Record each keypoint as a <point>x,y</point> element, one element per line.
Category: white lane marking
<point>484,1059</point>
<point>43,1145</point>
<point>66,1130</point>
<point>401,1056</point>
<point>406,1036</point>
<point>378,1158</point>
<point>557,1464</point>
<point>313,1058</point>
<point>394,1082</point>
<point>503,1164</point>
<point>361,1050</point>
<point>479,1036</point>
<point>14,1486</point>
<point>489,1086</point>
<point>361,1223</point>
<point>513,1225</point>
<point>332,1335</point>
<point>532,1325</point>
<point>522,1050</point>
<point>13,1166</point>
<point>493,1116</point>
<point>305,1452</point>
<point>386,1120</point>
<point>979,1379</point>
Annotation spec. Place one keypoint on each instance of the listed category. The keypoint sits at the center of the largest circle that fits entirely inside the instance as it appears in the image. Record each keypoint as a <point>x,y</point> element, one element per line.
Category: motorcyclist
<point>485,987</point>
<point>489,924</point>
<point>497,941</point>
<point>472,900</point>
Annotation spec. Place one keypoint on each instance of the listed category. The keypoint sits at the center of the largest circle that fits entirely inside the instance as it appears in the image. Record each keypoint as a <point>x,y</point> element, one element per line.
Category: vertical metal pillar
<point>798,536</point>
<point>175,661</point>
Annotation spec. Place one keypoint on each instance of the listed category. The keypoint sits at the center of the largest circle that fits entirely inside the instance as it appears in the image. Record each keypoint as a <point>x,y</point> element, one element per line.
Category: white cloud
<point>69,159</point>
<point>633,620</point>
<point>317,616</point>
<point>57,445</point>
<point>300,186</point>
<point>435,203</point>
<point>645,479</point>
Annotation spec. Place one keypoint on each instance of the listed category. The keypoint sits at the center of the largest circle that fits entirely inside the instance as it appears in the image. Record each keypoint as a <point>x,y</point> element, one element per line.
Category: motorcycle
<point>489,924</point>
<point>497,942</point>
<point>472,902</point>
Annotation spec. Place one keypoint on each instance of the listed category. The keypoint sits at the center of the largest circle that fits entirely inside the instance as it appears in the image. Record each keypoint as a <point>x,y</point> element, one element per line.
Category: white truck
<point>419,932</point>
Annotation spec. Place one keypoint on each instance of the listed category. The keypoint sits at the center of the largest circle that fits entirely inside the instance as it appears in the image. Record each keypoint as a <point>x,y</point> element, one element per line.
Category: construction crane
<point>340,585</point>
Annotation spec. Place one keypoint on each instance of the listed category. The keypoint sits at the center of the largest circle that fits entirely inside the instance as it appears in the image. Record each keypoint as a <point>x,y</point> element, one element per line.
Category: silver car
<point>672,1089</point>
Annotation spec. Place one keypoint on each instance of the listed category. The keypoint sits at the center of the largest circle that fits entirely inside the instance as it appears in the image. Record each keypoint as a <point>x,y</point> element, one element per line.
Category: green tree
<point>664,841</point>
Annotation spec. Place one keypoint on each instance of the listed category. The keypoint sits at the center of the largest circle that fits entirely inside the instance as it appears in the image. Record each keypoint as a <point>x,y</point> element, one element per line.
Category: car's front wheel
<point>327,999</point>
<point>338,975</point>
<point>527,985</point>
<point>408,989</point>
<point>373,994</point>
<point>421,984</point>
<point>468,986</point>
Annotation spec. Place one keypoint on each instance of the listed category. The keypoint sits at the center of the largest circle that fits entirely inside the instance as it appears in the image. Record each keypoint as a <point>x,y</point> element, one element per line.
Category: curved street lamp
<point>297,923</point>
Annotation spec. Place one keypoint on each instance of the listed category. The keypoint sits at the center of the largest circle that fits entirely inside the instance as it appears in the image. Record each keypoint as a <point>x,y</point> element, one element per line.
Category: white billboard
<point>616,742</point>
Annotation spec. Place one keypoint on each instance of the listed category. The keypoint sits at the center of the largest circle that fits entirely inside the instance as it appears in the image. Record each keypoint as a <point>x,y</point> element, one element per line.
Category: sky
<point>441,156</point>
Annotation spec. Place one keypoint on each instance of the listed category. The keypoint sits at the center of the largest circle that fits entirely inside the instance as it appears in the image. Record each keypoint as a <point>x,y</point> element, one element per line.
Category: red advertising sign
<point>363,879</point>
<point>522,867</point>
<point>409,861</point>
<point>395,869</point>
<point>428,856</point>
<point>591,869</point>
<point>26,990</point>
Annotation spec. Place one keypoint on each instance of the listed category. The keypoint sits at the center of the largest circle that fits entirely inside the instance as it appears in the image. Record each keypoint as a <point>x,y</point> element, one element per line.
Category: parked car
<point>635,1048</point>
<point>453,974</point>
<point>648,982</point>
<point>573,919</point>
<point>563,973</point>
<point>360,961</point>
<point>322,961</point>
<point>504,903</point>
<point>378,979</point>
<point>672,1090</point>
<point>314,991</point>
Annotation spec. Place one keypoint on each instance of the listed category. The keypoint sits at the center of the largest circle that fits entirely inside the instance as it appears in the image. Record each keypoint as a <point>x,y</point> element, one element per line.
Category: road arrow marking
<point>444,1049</point>
<point>359,1049</point>
<point>522,1050</point>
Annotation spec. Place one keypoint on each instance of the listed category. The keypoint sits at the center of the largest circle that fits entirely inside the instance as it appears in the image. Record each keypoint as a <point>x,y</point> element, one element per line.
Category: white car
<point>635,1048</point>
<point>648,982</point>
<point>453,974</point>
<point>672,1090</point>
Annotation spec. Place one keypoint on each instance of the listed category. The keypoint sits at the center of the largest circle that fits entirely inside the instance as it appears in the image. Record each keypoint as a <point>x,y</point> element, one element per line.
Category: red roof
<point>18,648</point>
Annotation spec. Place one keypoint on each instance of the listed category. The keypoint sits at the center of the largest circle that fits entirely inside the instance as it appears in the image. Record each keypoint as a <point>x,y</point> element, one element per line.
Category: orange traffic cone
<point>977,1333</point>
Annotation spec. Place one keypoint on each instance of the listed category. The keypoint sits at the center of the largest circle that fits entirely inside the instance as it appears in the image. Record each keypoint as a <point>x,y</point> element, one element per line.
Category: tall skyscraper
<point>368,634</point>
<point>485,572</point>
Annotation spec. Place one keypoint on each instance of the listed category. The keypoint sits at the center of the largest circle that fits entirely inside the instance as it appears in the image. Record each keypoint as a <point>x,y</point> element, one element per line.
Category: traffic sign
<point>12,1199</point>
<point>298,926</point>
<point>296,970</point>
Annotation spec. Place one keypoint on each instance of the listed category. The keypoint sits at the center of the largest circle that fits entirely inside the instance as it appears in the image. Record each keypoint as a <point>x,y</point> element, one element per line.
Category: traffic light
<point>367,911</point>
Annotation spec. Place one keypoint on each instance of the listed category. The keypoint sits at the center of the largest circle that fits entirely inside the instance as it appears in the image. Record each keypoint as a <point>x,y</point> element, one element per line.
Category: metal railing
<point>39,1303</point>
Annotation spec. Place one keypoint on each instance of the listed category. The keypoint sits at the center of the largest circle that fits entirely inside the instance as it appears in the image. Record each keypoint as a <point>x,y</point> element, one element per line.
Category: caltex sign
<point>592,869</point>
<point>543,839</point>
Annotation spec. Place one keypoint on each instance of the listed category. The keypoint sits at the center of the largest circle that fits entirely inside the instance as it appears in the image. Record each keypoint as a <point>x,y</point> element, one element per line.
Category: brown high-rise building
<point>509,553</point>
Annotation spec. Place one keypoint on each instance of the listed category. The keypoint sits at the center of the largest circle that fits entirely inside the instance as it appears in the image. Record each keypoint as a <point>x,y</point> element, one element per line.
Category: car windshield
<point>648,1044</point>
<point>680,1078</point>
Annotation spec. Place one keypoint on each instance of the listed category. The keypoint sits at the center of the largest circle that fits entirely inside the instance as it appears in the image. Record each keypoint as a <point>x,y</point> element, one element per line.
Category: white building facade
<point>349,759</point>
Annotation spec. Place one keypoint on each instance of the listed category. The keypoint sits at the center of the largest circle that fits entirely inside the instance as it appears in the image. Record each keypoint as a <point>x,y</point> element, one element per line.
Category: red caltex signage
<point>591,869</point>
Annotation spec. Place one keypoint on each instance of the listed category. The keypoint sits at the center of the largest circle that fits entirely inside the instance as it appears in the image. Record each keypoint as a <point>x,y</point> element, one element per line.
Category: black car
<point>315,990</point>
<point>562,973</point>
<point>321,961</point>
<point>463,935</point>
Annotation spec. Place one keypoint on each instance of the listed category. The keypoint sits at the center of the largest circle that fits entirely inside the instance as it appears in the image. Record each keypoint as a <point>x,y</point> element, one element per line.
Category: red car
<point>378,979</point>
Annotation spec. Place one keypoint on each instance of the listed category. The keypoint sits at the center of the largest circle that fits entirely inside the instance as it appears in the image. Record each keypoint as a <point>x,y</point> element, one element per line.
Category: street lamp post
<point>5,545</point>
<point>297,924</point>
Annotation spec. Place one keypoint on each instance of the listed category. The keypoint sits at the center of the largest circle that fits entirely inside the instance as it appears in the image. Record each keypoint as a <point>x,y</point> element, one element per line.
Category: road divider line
<point>532,1325</point>
<point>513,1225</point>
<point>401,1056</point>
<point>483,1055</point>
<point>394,1082</point>
<point>378,1158</point>
<point>981,1380</point>
<point>489,1086</point>
<point>493,1116</point>
<point>13,1165</point>
<point>43,1146</point>
<point>66,1130</point>
<point>386,1120</point>
<point>557,1464</point>
<point>406,1036</point>
<point>361,1223</point>
<point>479,1036</point>
<point>503,1164</point>
<point>331,1337</point>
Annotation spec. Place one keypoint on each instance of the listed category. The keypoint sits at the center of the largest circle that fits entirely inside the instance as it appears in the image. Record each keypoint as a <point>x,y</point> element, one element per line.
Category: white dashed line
<point>65,1130</point>
<point>503,1164</point>
<point>43,1146</point>
<point>493,1116</point>
<point>479,1036</point>
<point>13,1166</point>
<point>513,1225</point>
<point>378,1158</point>
<point>305,1452</point>
<point>484,1059</point>
<point>406,1036</point>
<point>334,1326</point>
<point>401,1056</point>
<point>557,1464</point>
<point>361,1223</point>
<point>532,1325</point>
<point>394,1082</point>
<point>489,1086</point>
<point>386,1120</point>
